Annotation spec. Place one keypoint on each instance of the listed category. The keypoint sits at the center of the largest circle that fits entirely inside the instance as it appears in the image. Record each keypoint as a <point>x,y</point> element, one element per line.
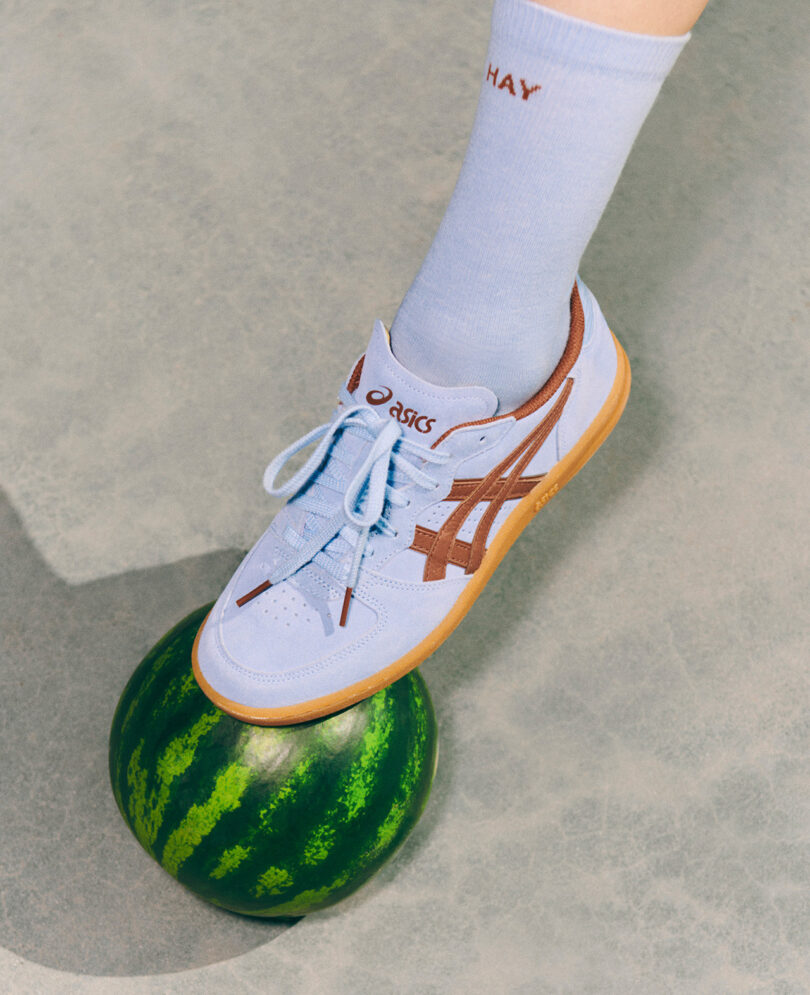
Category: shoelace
<point>366,494</point>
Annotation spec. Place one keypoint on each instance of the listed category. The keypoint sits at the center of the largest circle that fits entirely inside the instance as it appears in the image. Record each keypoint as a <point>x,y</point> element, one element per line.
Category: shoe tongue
<point>424,410</point>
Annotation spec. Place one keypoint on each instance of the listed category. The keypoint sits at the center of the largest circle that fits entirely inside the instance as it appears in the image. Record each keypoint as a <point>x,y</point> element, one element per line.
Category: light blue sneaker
<point>396,521</point>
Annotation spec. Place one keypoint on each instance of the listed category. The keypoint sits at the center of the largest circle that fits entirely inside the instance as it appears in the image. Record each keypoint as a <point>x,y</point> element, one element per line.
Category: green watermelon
<point>260,820</point>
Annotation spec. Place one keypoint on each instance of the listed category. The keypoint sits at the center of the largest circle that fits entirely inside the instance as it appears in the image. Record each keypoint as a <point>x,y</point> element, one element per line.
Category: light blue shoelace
<point>375,485</point>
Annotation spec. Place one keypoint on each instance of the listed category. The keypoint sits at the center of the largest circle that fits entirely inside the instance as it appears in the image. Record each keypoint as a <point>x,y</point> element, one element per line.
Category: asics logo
<point>379,396</point>
<point>406,416</point>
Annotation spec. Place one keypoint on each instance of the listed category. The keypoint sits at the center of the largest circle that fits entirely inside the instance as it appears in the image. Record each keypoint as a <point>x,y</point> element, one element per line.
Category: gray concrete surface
<point>204,206</point>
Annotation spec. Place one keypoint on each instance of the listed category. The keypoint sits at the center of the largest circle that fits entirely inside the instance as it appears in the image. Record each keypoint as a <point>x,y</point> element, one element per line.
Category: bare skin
<point>649,17</point>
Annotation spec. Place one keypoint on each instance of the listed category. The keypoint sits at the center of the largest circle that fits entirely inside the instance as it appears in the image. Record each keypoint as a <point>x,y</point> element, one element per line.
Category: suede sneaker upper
<point>408,500</point>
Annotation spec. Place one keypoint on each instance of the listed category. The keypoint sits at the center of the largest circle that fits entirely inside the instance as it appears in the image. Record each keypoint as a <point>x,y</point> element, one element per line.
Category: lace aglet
<point>253,594</point>
<point>347,597</point>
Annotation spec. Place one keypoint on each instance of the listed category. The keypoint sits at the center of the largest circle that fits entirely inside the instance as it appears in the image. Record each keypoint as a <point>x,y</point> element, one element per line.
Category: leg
<point>504,379</point>
<point>657,18</point>
<point>561,102</point>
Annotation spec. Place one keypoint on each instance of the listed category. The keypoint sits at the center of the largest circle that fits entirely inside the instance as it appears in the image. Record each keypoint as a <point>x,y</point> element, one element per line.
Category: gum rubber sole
<point>563,471</point>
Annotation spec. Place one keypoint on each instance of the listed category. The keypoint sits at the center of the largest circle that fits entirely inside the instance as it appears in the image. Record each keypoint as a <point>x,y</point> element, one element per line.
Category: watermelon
<point>260,820</point>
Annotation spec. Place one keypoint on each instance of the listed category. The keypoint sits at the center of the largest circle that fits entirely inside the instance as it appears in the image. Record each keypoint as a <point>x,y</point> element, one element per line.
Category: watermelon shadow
<point>79,893</point>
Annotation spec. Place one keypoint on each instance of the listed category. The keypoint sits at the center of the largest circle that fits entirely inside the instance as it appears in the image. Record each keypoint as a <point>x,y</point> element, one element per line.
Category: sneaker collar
<point>377,372</point>
<point>424,411</point>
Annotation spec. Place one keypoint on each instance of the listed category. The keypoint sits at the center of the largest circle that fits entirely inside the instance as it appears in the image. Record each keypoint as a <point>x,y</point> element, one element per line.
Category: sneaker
<point>410,499</point>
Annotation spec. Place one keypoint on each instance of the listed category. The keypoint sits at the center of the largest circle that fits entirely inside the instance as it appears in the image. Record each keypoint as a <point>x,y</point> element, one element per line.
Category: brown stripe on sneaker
<point>539,436</point>
<point>354,379</point>
<point>253,594</point>
<point>464,486</point>
<point>423,541</point>
<point>554,382</point>
<point>439,554</point>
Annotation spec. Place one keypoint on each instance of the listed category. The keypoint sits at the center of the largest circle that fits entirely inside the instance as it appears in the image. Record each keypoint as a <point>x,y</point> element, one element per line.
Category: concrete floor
<point>204,206</point>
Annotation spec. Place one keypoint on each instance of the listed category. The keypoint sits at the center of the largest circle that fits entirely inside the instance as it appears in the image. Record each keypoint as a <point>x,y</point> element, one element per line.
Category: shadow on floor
<point>78,893</point>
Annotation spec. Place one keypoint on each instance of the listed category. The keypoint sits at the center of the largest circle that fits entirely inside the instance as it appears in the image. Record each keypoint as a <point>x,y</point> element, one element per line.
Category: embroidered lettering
<point>508,83</point>
<point>405,416</point>
<point>528,90</point>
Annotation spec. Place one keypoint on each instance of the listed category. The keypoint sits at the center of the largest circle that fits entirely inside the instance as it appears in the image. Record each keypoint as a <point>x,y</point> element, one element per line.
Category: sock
<point>561,103</point>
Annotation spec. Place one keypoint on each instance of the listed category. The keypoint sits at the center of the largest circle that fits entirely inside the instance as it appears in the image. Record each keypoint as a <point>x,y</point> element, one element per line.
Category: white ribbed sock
<point>561,103</point>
